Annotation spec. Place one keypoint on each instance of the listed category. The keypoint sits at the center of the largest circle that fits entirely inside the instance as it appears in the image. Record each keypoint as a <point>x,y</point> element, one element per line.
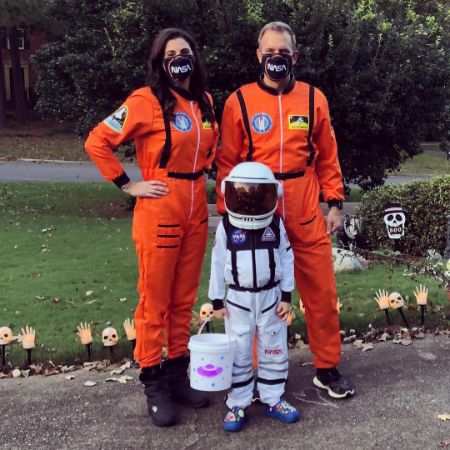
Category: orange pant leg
<point>186,282</point>
<point>314,274</point>
<point>315,281</point>
<point>156,277</point>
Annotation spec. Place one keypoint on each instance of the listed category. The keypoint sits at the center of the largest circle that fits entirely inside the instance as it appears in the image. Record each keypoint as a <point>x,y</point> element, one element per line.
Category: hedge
<point>426,205</point>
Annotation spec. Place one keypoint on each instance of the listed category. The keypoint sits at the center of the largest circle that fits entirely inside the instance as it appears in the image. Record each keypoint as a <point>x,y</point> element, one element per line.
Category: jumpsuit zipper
<point>280,112</point>
<point>195,160</point>
<point>255,283</point>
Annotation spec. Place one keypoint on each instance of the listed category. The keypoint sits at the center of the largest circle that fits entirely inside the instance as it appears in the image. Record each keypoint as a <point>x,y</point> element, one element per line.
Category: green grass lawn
<point>426,164</point>
<point>61,240</point>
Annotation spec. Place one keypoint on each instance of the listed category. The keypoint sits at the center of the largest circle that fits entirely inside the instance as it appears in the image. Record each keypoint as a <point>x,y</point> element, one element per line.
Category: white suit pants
<point>254,314</point>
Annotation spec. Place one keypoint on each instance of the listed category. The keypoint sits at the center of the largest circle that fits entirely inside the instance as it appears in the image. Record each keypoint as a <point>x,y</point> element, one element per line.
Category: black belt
<point>186,176</point>
<point>258,289</point>
<point>288,175</point>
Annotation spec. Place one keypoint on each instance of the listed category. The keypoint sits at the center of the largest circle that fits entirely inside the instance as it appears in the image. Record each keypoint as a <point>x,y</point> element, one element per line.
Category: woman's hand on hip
<point>149,189</point>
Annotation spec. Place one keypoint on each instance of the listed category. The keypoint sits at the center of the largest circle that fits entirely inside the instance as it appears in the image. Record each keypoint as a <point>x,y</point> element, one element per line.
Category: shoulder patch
<point>116,121</point>
<point>298,122</point>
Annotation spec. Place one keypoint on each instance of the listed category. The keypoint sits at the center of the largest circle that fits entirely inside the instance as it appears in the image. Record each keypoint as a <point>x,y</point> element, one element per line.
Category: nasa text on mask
<point>180,67</point>
<point>277,67</point>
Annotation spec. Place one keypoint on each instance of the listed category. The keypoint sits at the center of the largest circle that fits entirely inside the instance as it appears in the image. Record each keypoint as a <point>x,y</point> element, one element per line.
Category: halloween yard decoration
<point>351,233</point>
<point>382,298</point>
<point>27,337</point>
<point>130,331</point>
<point>206,315</point>
<point>110,338</point>
<point>396,302</point>
<point>85,335</point>
<point>421,294</point>
<point>394,219</point>
<point>6,337</point>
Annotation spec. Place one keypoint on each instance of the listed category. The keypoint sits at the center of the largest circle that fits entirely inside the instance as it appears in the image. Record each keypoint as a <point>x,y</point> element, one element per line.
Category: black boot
<point>178,382</point>
<point>159,404</point>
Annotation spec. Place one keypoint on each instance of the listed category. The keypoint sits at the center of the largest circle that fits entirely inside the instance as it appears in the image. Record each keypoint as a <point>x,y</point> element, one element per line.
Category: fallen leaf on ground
<point>122,380</point>
<point>366,347</point>
<point>301,345</point>
<point>70,377</point>
<point>384,337</point>
<point>90,383</point>
<point>90,302</point>
<point>358,343</point>
<point>89,293</point>
<point>443,417</point>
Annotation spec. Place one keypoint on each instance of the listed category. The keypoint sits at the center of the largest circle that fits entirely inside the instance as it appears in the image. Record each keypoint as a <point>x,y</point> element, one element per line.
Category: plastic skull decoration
<point>394,218</point>
<point>6,336</point>
<point>206,312</point>
<point>110,337</point>
<point>396,300</point>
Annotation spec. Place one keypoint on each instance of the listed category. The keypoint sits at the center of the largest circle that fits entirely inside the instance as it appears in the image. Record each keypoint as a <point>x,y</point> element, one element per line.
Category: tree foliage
<point>384,65</point>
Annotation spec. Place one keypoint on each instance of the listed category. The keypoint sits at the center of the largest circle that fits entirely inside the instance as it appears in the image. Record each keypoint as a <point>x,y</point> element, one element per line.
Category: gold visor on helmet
<point>250,199</point>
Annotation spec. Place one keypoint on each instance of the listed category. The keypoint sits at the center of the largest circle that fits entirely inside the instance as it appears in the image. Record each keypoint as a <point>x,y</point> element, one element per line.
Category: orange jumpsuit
<point>170,232</point>
<point>292,134</point>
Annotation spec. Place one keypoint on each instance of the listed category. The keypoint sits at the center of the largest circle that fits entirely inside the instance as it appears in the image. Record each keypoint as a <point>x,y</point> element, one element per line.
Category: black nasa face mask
<point>179,67</point>
<point>276,67</point>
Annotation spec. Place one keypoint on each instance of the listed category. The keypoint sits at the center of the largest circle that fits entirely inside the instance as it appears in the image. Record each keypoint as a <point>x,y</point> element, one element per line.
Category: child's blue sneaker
<point>235,419</point>
<point>282,411</point>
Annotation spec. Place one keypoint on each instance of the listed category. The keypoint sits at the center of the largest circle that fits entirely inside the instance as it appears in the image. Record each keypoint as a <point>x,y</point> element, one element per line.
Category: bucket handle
<point>227,327</point>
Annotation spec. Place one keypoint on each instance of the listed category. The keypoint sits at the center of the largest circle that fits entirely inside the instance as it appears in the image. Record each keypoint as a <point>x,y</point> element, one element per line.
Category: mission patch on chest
<point>298,122</point>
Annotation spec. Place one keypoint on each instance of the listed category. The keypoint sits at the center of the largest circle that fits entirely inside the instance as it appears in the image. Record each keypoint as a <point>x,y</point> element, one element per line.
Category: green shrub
<point>426,205</point>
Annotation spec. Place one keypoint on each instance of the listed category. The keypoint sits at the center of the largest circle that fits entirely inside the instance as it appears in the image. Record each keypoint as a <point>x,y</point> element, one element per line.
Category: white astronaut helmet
<point>251,195</point>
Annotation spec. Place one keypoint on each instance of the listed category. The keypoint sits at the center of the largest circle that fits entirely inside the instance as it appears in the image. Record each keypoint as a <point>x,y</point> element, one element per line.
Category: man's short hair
<point>280,27</point>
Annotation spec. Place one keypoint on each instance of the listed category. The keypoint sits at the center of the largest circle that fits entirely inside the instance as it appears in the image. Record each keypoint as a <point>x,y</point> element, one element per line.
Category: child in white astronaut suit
<point>253,257</point>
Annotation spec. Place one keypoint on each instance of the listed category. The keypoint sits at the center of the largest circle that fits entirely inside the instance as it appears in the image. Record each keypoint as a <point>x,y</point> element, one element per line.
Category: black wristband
<point>121,180</point>
<point>285,296</point>
<point>336,203</point>
<point>217,304</point>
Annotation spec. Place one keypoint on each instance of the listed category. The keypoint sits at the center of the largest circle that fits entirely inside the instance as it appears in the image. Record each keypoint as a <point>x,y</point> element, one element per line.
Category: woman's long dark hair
<point>159,81</point>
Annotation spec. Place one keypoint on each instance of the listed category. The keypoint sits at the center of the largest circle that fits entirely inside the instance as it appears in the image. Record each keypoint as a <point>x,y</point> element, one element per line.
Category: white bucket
<point>211,361</point>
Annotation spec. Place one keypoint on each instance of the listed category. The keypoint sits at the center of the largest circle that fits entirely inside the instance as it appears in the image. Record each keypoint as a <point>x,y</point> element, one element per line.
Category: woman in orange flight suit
<point>172,123</point>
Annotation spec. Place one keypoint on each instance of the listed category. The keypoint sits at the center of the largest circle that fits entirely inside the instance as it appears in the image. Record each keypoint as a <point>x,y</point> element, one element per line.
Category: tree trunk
<point>2,94</point>
<point>18,81</point>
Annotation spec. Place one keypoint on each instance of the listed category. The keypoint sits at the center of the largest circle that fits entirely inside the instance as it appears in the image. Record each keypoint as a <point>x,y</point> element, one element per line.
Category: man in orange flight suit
<point>285,124</point>
<point>170,224</point>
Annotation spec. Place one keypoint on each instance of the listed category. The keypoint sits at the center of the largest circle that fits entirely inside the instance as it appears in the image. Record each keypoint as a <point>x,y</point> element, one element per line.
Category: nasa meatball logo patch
<point>238,237</point>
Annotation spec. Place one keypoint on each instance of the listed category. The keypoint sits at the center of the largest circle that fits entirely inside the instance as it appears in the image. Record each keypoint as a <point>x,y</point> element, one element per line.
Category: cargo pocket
<point>241,333</point>
<point>271,334</point>
<point>168,235</point>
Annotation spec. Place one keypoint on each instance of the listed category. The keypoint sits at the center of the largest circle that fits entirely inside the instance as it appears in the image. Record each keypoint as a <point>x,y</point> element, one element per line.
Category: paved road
<point>85,172</point>
<point>400,392</point>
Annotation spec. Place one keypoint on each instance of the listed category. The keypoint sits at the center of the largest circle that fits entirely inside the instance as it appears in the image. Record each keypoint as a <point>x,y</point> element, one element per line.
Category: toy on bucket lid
<point>211,361</point>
